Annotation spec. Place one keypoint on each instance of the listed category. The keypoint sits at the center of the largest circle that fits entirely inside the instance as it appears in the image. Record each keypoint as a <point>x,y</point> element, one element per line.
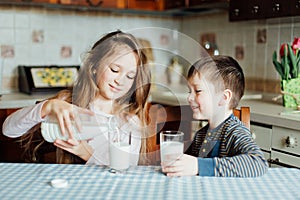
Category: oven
<point>285,147</point>
<point>280,145</point>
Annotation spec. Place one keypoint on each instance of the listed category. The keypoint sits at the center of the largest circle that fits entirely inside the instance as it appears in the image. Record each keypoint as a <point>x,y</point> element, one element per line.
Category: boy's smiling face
<point>203,98</point>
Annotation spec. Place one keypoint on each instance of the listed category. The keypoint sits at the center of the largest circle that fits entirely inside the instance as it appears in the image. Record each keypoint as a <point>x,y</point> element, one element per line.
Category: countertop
<point>262,108</point>
<point>19,100</point>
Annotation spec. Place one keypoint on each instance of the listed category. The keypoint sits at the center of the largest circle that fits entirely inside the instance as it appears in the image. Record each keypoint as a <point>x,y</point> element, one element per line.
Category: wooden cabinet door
<point>199,2</point>
<point>278,8</point>
<point>256,9</point>
<point>295,7</point>
<point>107,3</point>
<point>170,4</point>
<point>238,10</point>
<point>155,4</point>
<point>143,4</point>
<point>10,150</point>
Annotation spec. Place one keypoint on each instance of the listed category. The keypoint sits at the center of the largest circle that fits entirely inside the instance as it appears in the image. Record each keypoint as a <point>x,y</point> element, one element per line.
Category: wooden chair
<point>178,118</point>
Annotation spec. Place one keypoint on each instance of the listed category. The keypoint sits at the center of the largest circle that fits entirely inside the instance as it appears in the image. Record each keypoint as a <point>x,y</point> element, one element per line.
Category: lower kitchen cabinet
<point>285,147</point>
<point>11,149</point>
<point>262,135</point>
<point>280,145</point>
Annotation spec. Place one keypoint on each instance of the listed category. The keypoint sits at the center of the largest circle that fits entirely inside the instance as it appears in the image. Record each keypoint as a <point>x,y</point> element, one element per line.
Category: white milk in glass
<point>119,156</point>
<point>170,151</point>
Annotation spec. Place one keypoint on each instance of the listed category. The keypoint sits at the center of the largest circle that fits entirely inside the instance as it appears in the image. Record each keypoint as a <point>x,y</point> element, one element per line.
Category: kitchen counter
<point>262,108</point>
<point>19,100</point>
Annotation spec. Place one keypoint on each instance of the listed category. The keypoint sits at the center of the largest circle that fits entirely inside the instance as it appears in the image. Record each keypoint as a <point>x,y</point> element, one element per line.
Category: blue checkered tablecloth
<point>32,181</point>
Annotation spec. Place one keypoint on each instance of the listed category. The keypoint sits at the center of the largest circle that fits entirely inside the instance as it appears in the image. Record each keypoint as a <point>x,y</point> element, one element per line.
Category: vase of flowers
<point>288,69</point>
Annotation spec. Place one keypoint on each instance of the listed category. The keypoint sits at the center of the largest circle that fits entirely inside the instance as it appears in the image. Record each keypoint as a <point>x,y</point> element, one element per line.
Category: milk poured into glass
<point>119,155</point>
<point>170,151</point>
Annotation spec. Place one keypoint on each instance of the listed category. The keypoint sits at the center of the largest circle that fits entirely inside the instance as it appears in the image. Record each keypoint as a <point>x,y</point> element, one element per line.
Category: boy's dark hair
<point>224,72</point>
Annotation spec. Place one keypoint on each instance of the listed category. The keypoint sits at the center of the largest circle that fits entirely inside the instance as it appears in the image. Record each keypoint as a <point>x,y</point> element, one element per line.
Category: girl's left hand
<point>78,148</point>
<point>185,165</point>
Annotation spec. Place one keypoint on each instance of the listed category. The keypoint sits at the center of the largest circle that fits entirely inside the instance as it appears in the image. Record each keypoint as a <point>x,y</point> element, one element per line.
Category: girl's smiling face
<point>117,78</point>
<point>202,98</point>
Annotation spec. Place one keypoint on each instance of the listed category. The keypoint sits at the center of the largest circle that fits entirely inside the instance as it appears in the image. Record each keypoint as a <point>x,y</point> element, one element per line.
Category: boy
<point>224,147</point>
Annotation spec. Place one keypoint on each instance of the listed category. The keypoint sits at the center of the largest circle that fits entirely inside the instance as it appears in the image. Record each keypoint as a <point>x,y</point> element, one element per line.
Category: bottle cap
<point>59,183</point>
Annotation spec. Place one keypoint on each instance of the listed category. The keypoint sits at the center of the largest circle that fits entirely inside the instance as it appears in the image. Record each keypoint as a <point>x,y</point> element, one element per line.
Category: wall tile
<point>6,19</point>
<point>81,29</point>
<point>22,36</point>
<point>7,36</point>
<point>22,20</point>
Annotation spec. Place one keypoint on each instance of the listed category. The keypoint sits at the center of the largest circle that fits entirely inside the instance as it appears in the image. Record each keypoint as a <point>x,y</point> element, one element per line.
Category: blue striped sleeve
<point>206,166</point>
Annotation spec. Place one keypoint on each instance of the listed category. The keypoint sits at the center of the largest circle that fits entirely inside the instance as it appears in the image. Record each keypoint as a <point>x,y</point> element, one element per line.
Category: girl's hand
<point>65,113</point>
<point>78,148</point>
<point>185,165</point>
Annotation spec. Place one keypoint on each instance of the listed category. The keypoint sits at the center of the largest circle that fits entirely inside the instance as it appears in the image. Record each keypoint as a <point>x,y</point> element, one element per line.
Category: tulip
<point>288,68</point>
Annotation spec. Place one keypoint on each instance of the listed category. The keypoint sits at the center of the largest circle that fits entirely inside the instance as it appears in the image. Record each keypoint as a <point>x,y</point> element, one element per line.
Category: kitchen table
<point>32,181</point>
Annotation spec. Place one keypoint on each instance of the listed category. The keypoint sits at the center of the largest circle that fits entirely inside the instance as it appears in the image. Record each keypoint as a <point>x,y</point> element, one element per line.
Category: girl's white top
<point>24,119</point>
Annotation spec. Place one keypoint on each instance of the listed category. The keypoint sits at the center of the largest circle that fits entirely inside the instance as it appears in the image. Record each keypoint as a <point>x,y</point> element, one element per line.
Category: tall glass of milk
<point>171,146</point>
<point>119,152</point>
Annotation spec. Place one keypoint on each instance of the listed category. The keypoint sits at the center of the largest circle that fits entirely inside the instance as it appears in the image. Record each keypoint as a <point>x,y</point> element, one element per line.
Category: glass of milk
<point>171,146</point>
<point>119,153</point>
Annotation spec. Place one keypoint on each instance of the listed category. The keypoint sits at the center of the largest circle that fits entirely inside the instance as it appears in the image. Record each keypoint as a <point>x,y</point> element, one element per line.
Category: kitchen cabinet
<point>100,3</point>
<point>280,145</point>
<point>120,4</point>
<point>10,148</point>
<point>152,7</point>
<point>246,10</point>
<point>278,8</point>
<point>155,4</point>
<point>206,2</point>
<point>285,147</point>
<point>238,10</point>
<point>295,7</point>
<point>257,9</point>
<point>262,135</point>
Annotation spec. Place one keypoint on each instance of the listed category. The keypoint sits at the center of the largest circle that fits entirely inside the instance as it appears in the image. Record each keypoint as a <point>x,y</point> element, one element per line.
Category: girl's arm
<point>24,119</point>
<point>19,122</point>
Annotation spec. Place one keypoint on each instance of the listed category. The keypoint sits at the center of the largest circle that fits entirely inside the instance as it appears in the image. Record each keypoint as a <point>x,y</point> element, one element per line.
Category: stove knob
<point>290,142</point>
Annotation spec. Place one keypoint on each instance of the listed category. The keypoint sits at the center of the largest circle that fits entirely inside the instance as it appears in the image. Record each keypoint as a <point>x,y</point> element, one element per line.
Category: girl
<point>113,82</point>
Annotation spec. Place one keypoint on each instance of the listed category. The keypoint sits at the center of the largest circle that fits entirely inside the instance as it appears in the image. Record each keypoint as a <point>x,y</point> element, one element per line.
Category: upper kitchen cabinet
<point>97,3</point>
<point>238,10</point>
<point>247,9</point>
<point>258,9</point>
<point>278,8</point>
<point>295,7</point>
<point>70,3</point>
<point>159,5</point>
<point>206,2</point>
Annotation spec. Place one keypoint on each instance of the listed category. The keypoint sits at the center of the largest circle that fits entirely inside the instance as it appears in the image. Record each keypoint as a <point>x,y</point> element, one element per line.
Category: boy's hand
<point>78,148</point>
<point>185,165</point>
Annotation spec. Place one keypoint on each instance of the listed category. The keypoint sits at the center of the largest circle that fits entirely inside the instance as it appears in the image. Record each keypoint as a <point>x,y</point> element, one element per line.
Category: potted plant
<point>288,69</point>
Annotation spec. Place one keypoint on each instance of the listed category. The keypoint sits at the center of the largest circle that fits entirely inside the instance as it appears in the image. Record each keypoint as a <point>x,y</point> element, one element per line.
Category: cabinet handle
<point>298,4</point>
<point>236,12</point>
<point>253,135</point>
<point>276,7</point>
<point>255,9</point>
<point>94,4</point>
